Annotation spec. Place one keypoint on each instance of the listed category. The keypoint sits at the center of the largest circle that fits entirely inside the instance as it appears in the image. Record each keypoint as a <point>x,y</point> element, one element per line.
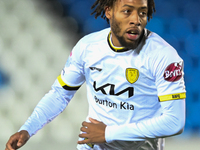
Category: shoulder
<point>157,47</point>
<point>159,54</point>
<point>157,43</point>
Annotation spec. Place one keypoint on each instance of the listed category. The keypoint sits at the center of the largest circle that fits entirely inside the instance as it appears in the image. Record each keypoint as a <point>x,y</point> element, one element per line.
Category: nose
<point>135,19</point>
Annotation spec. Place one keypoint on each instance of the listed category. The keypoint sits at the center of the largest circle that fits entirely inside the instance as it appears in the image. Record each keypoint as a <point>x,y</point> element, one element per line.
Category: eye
<point>143,13</point>
<point>126,11</point>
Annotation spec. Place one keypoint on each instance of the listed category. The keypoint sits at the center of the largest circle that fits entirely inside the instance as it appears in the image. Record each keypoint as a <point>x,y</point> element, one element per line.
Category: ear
<point>108,12</point>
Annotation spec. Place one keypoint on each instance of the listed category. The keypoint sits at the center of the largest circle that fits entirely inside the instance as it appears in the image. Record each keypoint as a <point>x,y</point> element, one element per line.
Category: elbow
<point>178,130</point>
<point>180,125</point>
<point>177,127</point>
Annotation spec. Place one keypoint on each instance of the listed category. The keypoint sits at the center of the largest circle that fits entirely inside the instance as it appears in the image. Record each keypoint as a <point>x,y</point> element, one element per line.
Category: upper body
<point>134,79</point>
<point>134,92</point>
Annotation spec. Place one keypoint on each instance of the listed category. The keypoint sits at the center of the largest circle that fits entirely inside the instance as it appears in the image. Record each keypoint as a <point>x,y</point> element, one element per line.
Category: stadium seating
<point>191,11</point>
<point>192,45</point>
<point>156,25</point>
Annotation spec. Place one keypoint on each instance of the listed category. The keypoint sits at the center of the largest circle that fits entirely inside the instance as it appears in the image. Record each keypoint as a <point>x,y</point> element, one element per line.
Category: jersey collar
<point>115,48</point>
<point>147,33</point>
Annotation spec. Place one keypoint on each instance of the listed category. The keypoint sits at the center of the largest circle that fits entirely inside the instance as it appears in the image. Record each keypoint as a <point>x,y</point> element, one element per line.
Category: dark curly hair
<point>99,6</point>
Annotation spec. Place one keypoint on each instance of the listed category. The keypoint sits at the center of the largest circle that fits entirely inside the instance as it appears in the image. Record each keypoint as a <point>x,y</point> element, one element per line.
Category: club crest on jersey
<point>173,72</point>
<point>132,75</point>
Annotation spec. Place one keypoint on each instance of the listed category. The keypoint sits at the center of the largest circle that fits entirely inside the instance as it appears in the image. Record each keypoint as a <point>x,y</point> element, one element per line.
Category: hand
<point>93,132</point>
<point>17,140</point>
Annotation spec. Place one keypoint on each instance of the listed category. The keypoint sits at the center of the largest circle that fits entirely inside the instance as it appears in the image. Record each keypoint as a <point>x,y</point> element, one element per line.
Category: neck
<point>120,42</point>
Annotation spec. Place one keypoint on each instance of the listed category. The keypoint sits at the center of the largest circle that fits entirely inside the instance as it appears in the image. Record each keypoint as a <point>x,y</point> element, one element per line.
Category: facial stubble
<point>115,26</point>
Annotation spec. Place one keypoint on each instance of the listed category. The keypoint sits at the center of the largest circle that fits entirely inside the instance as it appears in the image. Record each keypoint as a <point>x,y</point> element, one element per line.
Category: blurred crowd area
<point>36,38</point>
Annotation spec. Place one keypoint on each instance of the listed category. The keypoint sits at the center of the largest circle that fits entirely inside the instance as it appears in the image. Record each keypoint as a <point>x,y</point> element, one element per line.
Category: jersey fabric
<point>128,90</point>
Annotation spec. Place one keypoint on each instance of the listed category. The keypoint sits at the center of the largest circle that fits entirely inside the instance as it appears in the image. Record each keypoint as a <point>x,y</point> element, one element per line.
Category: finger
<point>9,149</point>
<point>10,145</point>
<point>85,124</point>
<point>94,121</point>
<point>22,140</point>
<point>83,135</point>
<point>83,129</point>
<point>20,144</point>
<point>85,141</point>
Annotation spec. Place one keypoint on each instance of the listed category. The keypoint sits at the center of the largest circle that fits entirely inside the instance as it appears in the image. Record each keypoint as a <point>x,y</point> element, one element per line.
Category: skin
<point>125,16</point>
<point>93,131</point>
<point>17,140</point>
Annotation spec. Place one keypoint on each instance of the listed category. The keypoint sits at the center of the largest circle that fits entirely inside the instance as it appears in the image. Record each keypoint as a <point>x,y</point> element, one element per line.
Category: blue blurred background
<point>36,38</point>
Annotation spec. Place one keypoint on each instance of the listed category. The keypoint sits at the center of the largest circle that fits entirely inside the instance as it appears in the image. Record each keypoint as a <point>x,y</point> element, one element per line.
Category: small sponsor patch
<point>94,68</point>
<point>173,72</point>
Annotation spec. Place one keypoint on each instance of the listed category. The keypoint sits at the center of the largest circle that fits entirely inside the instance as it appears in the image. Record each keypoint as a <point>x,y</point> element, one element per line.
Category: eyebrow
<point>126,5</point>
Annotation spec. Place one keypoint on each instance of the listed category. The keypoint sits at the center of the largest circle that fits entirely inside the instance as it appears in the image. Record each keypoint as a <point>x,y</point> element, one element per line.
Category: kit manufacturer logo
<point>94,68</point>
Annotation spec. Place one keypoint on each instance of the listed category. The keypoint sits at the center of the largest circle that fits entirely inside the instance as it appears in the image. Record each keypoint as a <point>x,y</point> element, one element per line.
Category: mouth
<point>132,34</point>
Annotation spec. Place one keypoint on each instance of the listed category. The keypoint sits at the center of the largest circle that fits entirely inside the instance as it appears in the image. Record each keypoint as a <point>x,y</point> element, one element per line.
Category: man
<point>134,82</point>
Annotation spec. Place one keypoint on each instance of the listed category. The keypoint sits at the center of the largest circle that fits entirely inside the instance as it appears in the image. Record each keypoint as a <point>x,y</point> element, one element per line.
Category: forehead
<point>139,3</point>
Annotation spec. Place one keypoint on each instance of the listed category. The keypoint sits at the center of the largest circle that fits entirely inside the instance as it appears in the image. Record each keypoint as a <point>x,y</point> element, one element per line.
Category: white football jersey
<point>126,89</point>
<point>124,86</point>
